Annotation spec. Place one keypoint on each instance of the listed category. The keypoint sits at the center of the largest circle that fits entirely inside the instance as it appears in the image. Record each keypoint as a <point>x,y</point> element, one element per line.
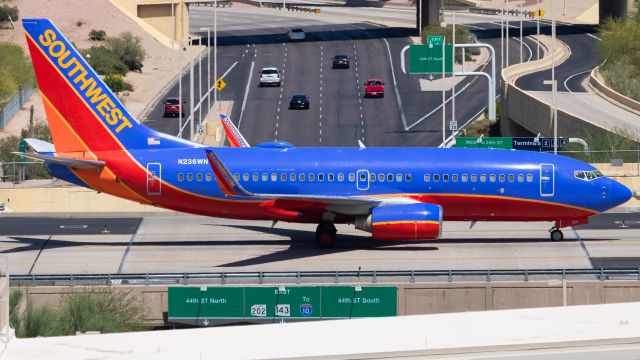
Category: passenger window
<point>529,177</point>
<point>330,176</point>
<point>445,178</point>
<point>363,177</point>
<point>312,177</point>
<point>190,177</point>
<point>501,177</point>
<point>352,177</point>
<point>264,177</point>
<point>427,177</point>
<point>511,177</point>
<point>255,177</point>
<point>372,177</point>
<point>274,177</point>
<point>292,177</point>
<point>474,178</point>
<point>389,177</point>
<point>520,178</point>
<point>381,177</point>
<point>399,177</point>
<point>235,176</point>
<point>283,177</point>
<point>199,176</point>
<point>436,177</point>
<point>321,177</point>
<point>492,178</point>
<point>483,178</point>
<point>454,177</point>
<point>208,177</point>
<point>181,177</point>
<point>245,177</point>
<point>340,177</point>
<point>465,177</point>
<point>407,178</point>
<point>301,177</point>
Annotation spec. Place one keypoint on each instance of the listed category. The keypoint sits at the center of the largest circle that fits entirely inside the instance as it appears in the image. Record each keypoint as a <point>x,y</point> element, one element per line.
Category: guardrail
<point>511,12</point>
<point>298,277</point>
<point>11,108</point>
<point>289,7</point>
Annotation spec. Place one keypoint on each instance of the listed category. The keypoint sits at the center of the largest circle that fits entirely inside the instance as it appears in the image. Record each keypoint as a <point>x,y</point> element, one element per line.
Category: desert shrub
<point>8,13</point>
<point>620,52</point>
<point>129,49</point>
<point>97,35</point>
<point>104,61</point>
<point>463,36</point>
<point>117,83</point>
<point>16,71</point>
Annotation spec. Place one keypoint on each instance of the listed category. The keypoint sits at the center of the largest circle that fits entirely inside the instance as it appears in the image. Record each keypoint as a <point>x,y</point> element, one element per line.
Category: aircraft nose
<point>618,193</point>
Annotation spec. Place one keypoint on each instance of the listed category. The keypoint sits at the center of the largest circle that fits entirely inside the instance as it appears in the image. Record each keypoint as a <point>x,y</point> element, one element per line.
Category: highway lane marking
<point>73,226</point>
<point>582,245</point>
<point>438,107</point>
<point>593,36</point>
<point>39,252</point>
<point>246,93</point>
<point>473,26</point>
<point>395,85</point>
<point>570,77</point>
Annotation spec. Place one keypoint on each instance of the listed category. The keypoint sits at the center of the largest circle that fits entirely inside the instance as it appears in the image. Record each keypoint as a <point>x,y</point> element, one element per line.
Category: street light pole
<point>208,69</point>
<point>191,90</point>
<point>453,57</point>
<point>215,52</point>
<point>553,81</point>
<point>443,25</point>
<point>502,37</point>
<point>507,37</point>
<point>521,43</point>
<point>537,31</point>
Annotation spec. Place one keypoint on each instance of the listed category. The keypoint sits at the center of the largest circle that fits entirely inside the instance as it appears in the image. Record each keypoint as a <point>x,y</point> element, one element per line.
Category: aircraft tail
<point>83,113</point>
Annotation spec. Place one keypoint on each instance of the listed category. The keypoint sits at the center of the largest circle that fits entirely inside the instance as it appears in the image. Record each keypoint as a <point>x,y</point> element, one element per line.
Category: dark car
<point>341,62</point>
<point>299,102</point>
<point>172,107</point>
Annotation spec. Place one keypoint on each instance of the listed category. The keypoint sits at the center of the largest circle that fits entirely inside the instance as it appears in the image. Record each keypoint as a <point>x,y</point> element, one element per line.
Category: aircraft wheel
<point>325,235</point>
<point>556,235</point>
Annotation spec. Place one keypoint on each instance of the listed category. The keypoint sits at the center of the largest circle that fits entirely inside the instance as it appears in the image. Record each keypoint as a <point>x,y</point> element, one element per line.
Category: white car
<point>269,76</point>
<point>296,34</point>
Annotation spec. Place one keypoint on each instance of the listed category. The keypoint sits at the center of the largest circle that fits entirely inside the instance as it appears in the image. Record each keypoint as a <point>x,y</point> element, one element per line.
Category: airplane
<point>395,194</point>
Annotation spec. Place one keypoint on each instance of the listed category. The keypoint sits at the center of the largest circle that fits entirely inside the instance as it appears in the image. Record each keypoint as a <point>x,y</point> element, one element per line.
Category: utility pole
<point>538,31</point>
<point>554,87</point>
<point>507,37</point>
<point>180,95</point>
<point>443,25</point>
<point>453,57</point>
<point>191,90</point>
<point>521,44</point>
<point>215,51</point>
<point>502,37</point>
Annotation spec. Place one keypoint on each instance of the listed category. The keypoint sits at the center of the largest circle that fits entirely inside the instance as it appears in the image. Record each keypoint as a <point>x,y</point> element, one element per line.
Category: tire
<point>325,235</point>
<point>556,235</point>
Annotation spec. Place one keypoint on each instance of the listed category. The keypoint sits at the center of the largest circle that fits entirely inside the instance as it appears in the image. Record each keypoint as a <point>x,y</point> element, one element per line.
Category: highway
<point>339,115</point>
<point>183,243</point>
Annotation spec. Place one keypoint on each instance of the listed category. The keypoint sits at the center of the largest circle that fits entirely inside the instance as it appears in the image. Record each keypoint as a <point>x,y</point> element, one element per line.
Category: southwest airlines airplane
<point>394,193</point>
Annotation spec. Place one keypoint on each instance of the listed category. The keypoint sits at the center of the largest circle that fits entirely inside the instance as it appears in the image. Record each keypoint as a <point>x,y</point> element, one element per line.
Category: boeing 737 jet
<point>394,193</point>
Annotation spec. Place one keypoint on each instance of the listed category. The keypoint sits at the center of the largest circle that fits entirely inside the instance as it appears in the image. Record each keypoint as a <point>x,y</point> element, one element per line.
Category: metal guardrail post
<point>564,274</point>
<point>337,278</point>
<point>601,274</point>
<point>488,278</point>
<point>146,279</point>
<point>33,280</point>
<point>450,279</point>
<point>638,274</point>
<point>526,275</point>
<point>184,279</point>
<point>223,278</point>
<point>260,278</point>
<point>298,277</point>
<point>109,280</point>
<point>72,281</point>
<point>375,278</point>
<point>413,277</point>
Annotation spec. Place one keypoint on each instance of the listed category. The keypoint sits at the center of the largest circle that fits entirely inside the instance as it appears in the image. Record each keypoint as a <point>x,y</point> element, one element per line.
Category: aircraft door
<point>547,180</point>
<point>154,179</point>
<point>362,179</point>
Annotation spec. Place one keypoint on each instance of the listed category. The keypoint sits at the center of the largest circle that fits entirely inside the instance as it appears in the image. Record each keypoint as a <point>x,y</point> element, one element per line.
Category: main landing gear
<point>556,234</point>
<point>326,235</point>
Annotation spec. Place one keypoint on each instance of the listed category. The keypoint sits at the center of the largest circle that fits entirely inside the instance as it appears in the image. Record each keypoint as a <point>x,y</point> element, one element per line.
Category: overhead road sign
<point>485,142</point>
<point>537,144</point>
<point>427,58</point>
<point>205,306</point>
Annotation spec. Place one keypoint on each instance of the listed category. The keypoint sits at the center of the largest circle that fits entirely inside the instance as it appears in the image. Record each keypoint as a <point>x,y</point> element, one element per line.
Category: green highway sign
<point>427,58</point>
<point>485,142</point>
<point>356,301</point>
<point>216,304</point>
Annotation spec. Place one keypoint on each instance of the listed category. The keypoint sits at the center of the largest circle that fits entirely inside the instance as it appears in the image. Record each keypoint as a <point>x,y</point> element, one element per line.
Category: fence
<point>336,277</point>
<point>13,106</point>
<point>19,171</point>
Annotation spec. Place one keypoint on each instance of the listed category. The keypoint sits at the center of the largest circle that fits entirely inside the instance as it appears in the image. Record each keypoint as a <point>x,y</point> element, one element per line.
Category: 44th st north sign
<point>427,58</point>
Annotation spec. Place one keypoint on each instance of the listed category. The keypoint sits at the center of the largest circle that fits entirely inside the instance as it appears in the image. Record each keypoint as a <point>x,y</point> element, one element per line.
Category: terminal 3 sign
<point>517,143</point>
<point>209,305</point>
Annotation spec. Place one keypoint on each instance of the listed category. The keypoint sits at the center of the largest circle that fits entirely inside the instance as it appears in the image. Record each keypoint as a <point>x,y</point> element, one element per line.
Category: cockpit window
<point>587,175</point>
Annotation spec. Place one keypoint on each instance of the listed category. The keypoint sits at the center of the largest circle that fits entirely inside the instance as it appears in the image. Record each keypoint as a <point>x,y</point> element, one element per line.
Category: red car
<point>374,88</point>
<point>172,107</point>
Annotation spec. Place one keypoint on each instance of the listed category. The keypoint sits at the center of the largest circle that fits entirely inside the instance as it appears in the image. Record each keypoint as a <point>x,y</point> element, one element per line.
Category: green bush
<point>463,36</point>
<point>97,35</point>
<point>16,71</point>
<point>104,61</point>
<point>12,143</point>
<point>117,84</point>
<point>620,48</point>
<point>8,13</point>
<point>129,49</point>
<point>106,311</point>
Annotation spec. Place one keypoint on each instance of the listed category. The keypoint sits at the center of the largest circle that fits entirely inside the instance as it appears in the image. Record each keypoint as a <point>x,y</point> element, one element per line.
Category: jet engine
<point>418,221</point>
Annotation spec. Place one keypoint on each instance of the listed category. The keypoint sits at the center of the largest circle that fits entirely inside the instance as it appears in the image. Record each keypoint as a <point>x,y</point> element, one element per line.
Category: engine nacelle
<point>403,222</point>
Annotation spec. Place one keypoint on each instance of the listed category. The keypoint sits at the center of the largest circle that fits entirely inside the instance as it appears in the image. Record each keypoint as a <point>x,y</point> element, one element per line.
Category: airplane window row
<point>587,175</point>
<point>476,177</point>
<point>198,177</point>
<point>322,177</point>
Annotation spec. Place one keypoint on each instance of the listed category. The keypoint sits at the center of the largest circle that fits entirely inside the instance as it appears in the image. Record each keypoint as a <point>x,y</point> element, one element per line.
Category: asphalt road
<point>181,243</point>
<point>339,115</point>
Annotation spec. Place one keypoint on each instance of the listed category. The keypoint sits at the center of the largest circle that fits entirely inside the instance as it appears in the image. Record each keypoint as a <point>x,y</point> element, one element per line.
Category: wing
<point>340,204</point>
<point>69,162</point>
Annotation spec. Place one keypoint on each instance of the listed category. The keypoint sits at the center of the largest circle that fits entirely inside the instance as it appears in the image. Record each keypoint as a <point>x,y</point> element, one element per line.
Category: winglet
<point>228,185</point>
<point>233,134</point>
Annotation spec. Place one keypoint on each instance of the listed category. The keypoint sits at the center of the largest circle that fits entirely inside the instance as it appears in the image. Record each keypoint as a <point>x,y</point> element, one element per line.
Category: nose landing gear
<point>326,235</point>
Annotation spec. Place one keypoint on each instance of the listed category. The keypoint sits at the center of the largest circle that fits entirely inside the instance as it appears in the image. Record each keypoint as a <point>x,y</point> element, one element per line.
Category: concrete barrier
<point>415,299</point>
<point>597,84</point>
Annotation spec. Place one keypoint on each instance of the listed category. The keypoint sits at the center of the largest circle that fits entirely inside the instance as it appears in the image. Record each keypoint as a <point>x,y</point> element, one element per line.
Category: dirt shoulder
<point>160,65</point>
